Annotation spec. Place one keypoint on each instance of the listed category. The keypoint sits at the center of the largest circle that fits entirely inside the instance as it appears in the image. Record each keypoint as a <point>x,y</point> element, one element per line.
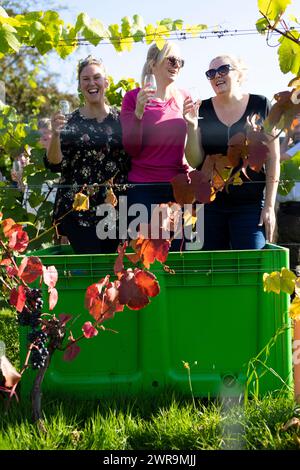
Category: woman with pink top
<point>155,130</point>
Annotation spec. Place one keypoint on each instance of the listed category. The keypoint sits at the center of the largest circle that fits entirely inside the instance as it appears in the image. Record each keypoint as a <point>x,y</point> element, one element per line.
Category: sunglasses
<point>222,71</point>
<point>173,61</point>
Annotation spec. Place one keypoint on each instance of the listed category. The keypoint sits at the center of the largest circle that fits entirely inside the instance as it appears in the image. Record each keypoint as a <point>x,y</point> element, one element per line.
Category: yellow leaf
<point>294,310</point>
<point>150,33</point>
<point>237,181</point>
<point>189,219</point>
<point>111,198</point>
<point>287,281</point>
<point>272,282</point>
<point>81,202</point>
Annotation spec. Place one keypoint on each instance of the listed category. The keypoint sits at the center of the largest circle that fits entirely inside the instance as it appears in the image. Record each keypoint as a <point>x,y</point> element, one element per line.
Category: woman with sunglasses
<point>242,217</point>
<point>155,130</point>
<point>86,148</point>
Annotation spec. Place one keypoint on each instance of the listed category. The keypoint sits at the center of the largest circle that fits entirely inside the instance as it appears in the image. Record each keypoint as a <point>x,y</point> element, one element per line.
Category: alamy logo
<point>166,222</point>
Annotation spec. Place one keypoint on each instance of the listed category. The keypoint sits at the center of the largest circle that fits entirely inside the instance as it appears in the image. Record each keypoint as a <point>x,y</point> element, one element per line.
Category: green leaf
<point>138,28</point>
<point>289,55</point>
<point>262,25</point>
<point>273,9</point>
<point>92,29</point>
<point>8,39</point>
<point>115,37</point>
<point>69,43</point>
<point>126,26</point>
<point>168,22</point>
<point>177,25</point>
<point>289,174</point>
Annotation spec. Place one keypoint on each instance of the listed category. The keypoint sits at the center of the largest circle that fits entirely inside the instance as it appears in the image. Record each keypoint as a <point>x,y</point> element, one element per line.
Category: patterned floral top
<point>92,154</point>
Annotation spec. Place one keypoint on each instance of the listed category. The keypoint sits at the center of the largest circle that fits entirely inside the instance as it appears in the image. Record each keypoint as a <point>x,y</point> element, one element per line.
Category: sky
<point>263,75</point>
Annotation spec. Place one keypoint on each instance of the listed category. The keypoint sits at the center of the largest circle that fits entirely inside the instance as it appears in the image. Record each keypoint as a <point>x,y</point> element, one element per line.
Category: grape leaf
<point>271,282</point>
<point>18,298</point>
<point>71,352</point>
<point>30,269</point>
<point>88,330</point>
<point>11,375</point>
<point>53,297</point>
<point>50,276</point>
<point>130,293</point>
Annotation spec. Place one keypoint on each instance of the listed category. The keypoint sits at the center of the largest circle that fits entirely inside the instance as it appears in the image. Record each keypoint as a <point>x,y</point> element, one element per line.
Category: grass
<point>166,423</point>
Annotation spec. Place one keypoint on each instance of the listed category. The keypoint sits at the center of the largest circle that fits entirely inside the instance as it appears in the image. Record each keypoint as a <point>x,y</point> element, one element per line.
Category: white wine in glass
<point>150,83</point>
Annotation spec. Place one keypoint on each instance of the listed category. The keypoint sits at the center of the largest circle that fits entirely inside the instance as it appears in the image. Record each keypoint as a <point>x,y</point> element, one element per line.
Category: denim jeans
<point>233,227</point>
<point>150,194</point>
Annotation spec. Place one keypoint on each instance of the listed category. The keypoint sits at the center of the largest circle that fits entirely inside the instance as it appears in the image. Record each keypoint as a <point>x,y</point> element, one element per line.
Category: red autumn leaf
<point>53,297</point>
<point>11,271</point>
<point>111,294</point>
<point>151,250</point>
<point>88,330</point>
<point>182,189</point>
<point>201,186</point>
<point>11,375</point>
<point>18,239</point>
<point>258,153</point>
<point>130,293</point>
<point>30,269</point>
<point>64,318</point>
<point>18,298</point>
<point>119,263</point>
<point>147,282</point>
<point>236,149</point>
<point>7,224</point>
<point>71,352</point>
<point>93,291</point>
<point>50,276</point>
<point>282,112</point>
<point>106,303</point>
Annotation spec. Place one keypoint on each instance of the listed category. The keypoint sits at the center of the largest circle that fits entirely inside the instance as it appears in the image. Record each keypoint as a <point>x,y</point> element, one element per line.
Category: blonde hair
<point>156,56</point>
<point>236,62</point>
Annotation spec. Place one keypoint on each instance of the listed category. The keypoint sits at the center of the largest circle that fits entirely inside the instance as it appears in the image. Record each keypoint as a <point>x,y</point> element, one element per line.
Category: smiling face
<point>167,68</point>
<point>224,82</point>
<point>93,83</point>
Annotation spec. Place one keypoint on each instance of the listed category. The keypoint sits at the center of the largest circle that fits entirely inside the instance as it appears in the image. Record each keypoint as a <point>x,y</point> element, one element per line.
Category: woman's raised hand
<point>143,97</point>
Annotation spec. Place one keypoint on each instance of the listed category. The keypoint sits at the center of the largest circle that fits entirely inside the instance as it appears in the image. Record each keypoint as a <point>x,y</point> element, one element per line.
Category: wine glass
<point>194,94</point>
<point>64,107</point>
<point>150,83</point>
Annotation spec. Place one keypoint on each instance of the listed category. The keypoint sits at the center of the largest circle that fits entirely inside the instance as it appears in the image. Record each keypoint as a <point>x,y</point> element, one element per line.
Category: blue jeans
<point>153,194</point>
<point>233,227</point>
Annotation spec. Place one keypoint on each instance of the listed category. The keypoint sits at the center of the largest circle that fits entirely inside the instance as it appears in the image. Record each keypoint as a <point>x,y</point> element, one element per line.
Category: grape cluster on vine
<point>31,316</point>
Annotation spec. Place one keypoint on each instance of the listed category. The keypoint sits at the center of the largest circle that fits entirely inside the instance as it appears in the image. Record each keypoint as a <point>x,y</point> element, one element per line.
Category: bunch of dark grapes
<point>39,352</point>
<point>38,357</point>
<point>32,310</point>
<point>30,316</point>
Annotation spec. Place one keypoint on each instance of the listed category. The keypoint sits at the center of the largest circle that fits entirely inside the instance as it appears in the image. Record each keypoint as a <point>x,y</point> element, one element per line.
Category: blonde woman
<point>243,217</point>
<point>154,129</point>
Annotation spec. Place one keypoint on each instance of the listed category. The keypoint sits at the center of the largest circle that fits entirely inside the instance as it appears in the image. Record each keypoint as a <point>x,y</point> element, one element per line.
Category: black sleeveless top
<point>215,137</point>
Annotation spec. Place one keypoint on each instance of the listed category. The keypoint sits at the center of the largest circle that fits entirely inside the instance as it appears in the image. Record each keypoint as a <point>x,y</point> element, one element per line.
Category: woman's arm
<point>193,148</point>
<point>272,178</point>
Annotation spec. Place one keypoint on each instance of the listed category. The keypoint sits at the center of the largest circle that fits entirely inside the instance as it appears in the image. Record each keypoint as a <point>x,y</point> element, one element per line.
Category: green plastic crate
<point>213,311</point>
